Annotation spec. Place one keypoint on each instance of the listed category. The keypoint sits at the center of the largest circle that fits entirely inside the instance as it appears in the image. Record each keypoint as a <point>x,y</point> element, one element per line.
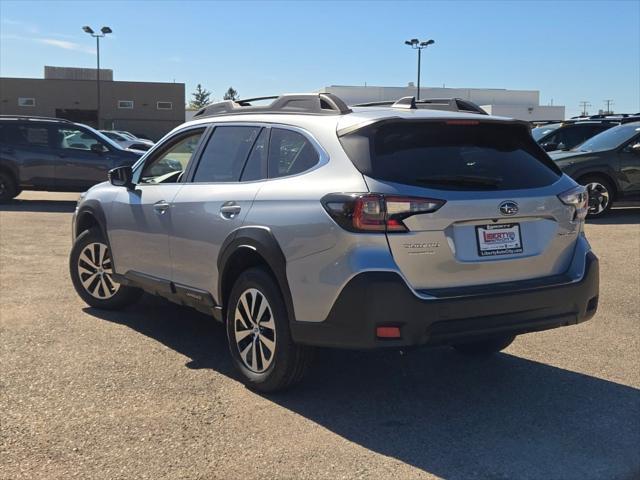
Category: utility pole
<point>608,110</point>
<point>584,104</point>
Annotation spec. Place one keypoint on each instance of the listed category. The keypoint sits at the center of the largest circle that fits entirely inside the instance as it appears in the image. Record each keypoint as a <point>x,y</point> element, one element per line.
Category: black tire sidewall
<point>11,188</point>
<point>123,297</point>
<point>274,376</point>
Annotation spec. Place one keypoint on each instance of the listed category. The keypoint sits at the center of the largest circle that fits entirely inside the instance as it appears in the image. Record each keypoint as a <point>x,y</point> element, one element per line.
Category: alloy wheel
<point>598,198</point>
<point>254,330</point>
<point>95,270</point>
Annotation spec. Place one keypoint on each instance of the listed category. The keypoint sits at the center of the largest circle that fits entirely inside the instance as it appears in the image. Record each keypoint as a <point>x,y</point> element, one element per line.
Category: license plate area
<point>499,239</point>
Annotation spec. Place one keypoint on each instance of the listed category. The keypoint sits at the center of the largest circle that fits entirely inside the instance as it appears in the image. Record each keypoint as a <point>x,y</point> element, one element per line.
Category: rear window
<point>451,157</point>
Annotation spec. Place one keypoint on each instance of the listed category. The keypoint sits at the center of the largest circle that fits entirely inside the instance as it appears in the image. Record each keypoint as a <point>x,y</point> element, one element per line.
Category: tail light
<point>373,212</point>
<point>578,198</point>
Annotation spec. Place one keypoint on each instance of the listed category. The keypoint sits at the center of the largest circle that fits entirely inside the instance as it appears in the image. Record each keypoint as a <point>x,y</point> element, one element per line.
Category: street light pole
<point>97,36</point>
<point>418,45</point>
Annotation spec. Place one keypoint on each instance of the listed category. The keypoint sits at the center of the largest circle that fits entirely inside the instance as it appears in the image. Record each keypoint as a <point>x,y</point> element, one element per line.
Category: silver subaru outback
<point>303,222</point>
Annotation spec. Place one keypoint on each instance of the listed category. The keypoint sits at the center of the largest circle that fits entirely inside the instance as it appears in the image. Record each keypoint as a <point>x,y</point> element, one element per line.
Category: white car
<point>128,142</point>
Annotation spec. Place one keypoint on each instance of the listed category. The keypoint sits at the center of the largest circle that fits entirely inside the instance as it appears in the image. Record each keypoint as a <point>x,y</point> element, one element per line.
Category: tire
<point>264,353</point>
<point>8,187</point>
<point>601,194</point>
<point>485,347</point>
<point>92,279</point>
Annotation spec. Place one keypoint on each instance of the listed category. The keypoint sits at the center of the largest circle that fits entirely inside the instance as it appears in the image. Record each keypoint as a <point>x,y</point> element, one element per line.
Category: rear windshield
<point>451,156</point>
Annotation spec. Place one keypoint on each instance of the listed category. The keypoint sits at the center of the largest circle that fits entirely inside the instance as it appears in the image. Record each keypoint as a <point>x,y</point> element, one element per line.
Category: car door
<point>26,146</point>
<point>215,201</point>
<point>83,159</point>
<point>140,218</point>
<point>629,168</point>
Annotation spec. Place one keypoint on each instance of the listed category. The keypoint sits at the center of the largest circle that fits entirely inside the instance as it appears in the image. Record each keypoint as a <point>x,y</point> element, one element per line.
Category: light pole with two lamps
<point>104,31</point>
<point>418,45</point>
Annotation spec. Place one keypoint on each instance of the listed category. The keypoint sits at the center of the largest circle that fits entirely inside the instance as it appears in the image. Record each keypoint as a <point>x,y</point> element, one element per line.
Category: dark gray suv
<point>38,153</point>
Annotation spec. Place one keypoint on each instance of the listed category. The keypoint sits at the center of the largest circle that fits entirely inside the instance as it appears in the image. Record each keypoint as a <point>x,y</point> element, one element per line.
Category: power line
<point>584,104</point>
<point>608,102</point>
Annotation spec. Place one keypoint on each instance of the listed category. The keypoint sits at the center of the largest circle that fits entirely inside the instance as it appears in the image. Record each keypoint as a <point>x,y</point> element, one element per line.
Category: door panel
<point>29,147</point>
<point>139,222</point>
<point>202,216</point>
<point>629,165</point>
<point>77,166</point>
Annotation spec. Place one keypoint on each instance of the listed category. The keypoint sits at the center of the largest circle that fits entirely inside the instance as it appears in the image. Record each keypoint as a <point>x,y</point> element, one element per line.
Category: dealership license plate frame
<point>485,250</point>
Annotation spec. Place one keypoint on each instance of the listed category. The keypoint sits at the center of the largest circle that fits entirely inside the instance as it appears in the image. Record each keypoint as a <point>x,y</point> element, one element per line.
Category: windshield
<point>610,139</point>
<point>539,132</point>
<point>112,135</point>
<point>128,135</point>
<point>103,137</point>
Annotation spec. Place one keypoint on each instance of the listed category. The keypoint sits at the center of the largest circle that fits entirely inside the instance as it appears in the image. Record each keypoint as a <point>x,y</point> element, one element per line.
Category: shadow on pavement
<point>618,216</point>
<point>503,417</point>
<point>52,206</point>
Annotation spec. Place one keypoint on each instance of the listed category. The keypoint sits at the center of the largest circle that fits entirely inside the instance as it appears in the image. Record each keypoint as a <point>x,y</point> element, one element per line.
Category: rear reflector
<point>388,332</point>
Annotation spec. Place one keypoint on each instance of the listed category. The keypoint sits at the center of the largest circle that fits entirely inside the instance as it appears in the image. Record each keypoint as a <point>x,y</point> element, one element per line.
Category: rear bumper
<point>373,299</point>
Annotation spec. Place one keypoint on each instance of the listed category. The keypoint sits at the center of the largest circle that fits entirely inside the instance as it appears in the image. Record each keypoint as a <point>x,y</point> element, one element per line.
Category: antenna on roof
<point>406,102</point>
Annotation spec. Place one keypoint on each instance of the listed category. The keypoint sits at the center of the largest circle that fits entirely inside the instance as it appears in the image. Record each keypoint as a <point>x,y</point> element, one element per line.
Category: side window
<point>290,153</point>
<point>69,138</point>
<point>167,166</point>
<point>226,152</point>
<point>25,135</point>
<point>256,167</point>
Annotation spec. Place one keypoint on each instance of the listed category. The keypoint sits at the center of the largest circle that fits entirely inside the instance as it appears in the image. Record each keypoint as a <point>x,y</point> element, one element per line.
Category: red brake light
<point>371,212</point>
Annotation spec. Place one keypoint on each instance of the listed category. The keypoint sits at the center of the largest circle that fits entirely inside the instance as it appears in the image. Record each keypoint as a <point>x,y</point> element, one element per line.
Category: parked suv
<point>306,223</point>
<point>608,165</point>
<point>39,153</point>
<point>565,136</point>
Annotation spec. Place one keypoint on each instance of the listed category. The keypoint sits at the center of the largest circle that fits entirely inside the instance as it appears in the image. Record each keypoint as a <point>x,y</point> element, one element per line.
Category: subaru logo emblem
<point>508,208</point>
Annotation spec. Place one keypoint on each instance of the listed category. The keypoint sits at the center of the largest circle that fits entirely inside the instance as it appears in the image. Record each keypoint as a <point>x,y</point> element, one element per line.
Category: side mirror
<point>121,176</point>
<point>548,147</point>
<point>98,148</point>
<point>635,148</point>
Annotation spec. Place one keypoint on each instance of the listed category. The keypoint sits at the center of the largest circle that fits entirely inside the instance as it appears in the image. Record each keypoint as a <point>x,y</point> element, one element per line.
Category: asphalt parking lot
<point>150,392</point>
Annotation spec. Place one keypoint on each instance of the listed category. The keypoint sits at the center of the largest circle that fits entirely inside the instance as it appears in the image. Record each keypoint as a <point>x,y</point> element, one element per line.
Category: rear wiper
<point>462,180</point>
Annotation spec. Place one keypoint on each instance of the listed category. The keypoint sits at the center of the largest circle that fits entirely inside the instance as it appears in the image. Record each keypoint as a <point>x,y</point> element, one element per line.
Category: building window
<point>126,104</point>
<point>164,106</point>
<point>26,102</point>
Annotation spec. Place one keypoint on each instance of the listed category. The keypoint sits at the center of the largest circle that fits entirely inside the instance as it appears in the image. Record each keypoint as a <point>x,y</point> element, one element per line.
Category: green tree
<point>200,97</point>
<point>231,94</point>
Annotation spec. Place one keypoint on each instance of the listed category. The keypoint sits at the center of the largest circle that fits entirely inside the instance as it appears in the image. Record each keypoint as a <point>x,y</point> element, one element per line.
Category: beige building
<point>149,109</point>
<point>520,104</point>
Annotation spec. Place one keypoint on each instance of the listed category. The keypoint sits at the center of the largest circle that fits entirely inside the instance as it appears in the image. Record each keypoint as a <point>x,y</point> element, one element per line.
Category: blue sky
<point>570,51</point>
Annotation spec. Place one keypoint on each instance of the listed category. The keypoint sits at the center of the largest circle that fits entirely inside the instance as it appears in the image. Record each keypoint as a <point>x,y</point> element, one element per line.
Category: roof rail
<point>305,103</point>
<point>34,117</point>
<point>450,104</point>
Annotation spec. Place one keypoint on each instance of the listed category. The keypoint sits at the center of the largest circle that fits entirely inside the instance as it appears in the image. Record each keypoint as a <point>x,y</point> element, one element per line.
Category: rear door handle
<point>229,210</point>
<point>161,207</point>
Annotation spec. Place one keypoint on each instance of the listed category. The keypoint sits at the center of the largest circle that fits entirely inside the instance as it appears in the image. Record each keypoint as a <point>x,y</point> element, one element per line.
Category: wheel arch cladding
<point>90,214</point>
<point>248,247</point>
